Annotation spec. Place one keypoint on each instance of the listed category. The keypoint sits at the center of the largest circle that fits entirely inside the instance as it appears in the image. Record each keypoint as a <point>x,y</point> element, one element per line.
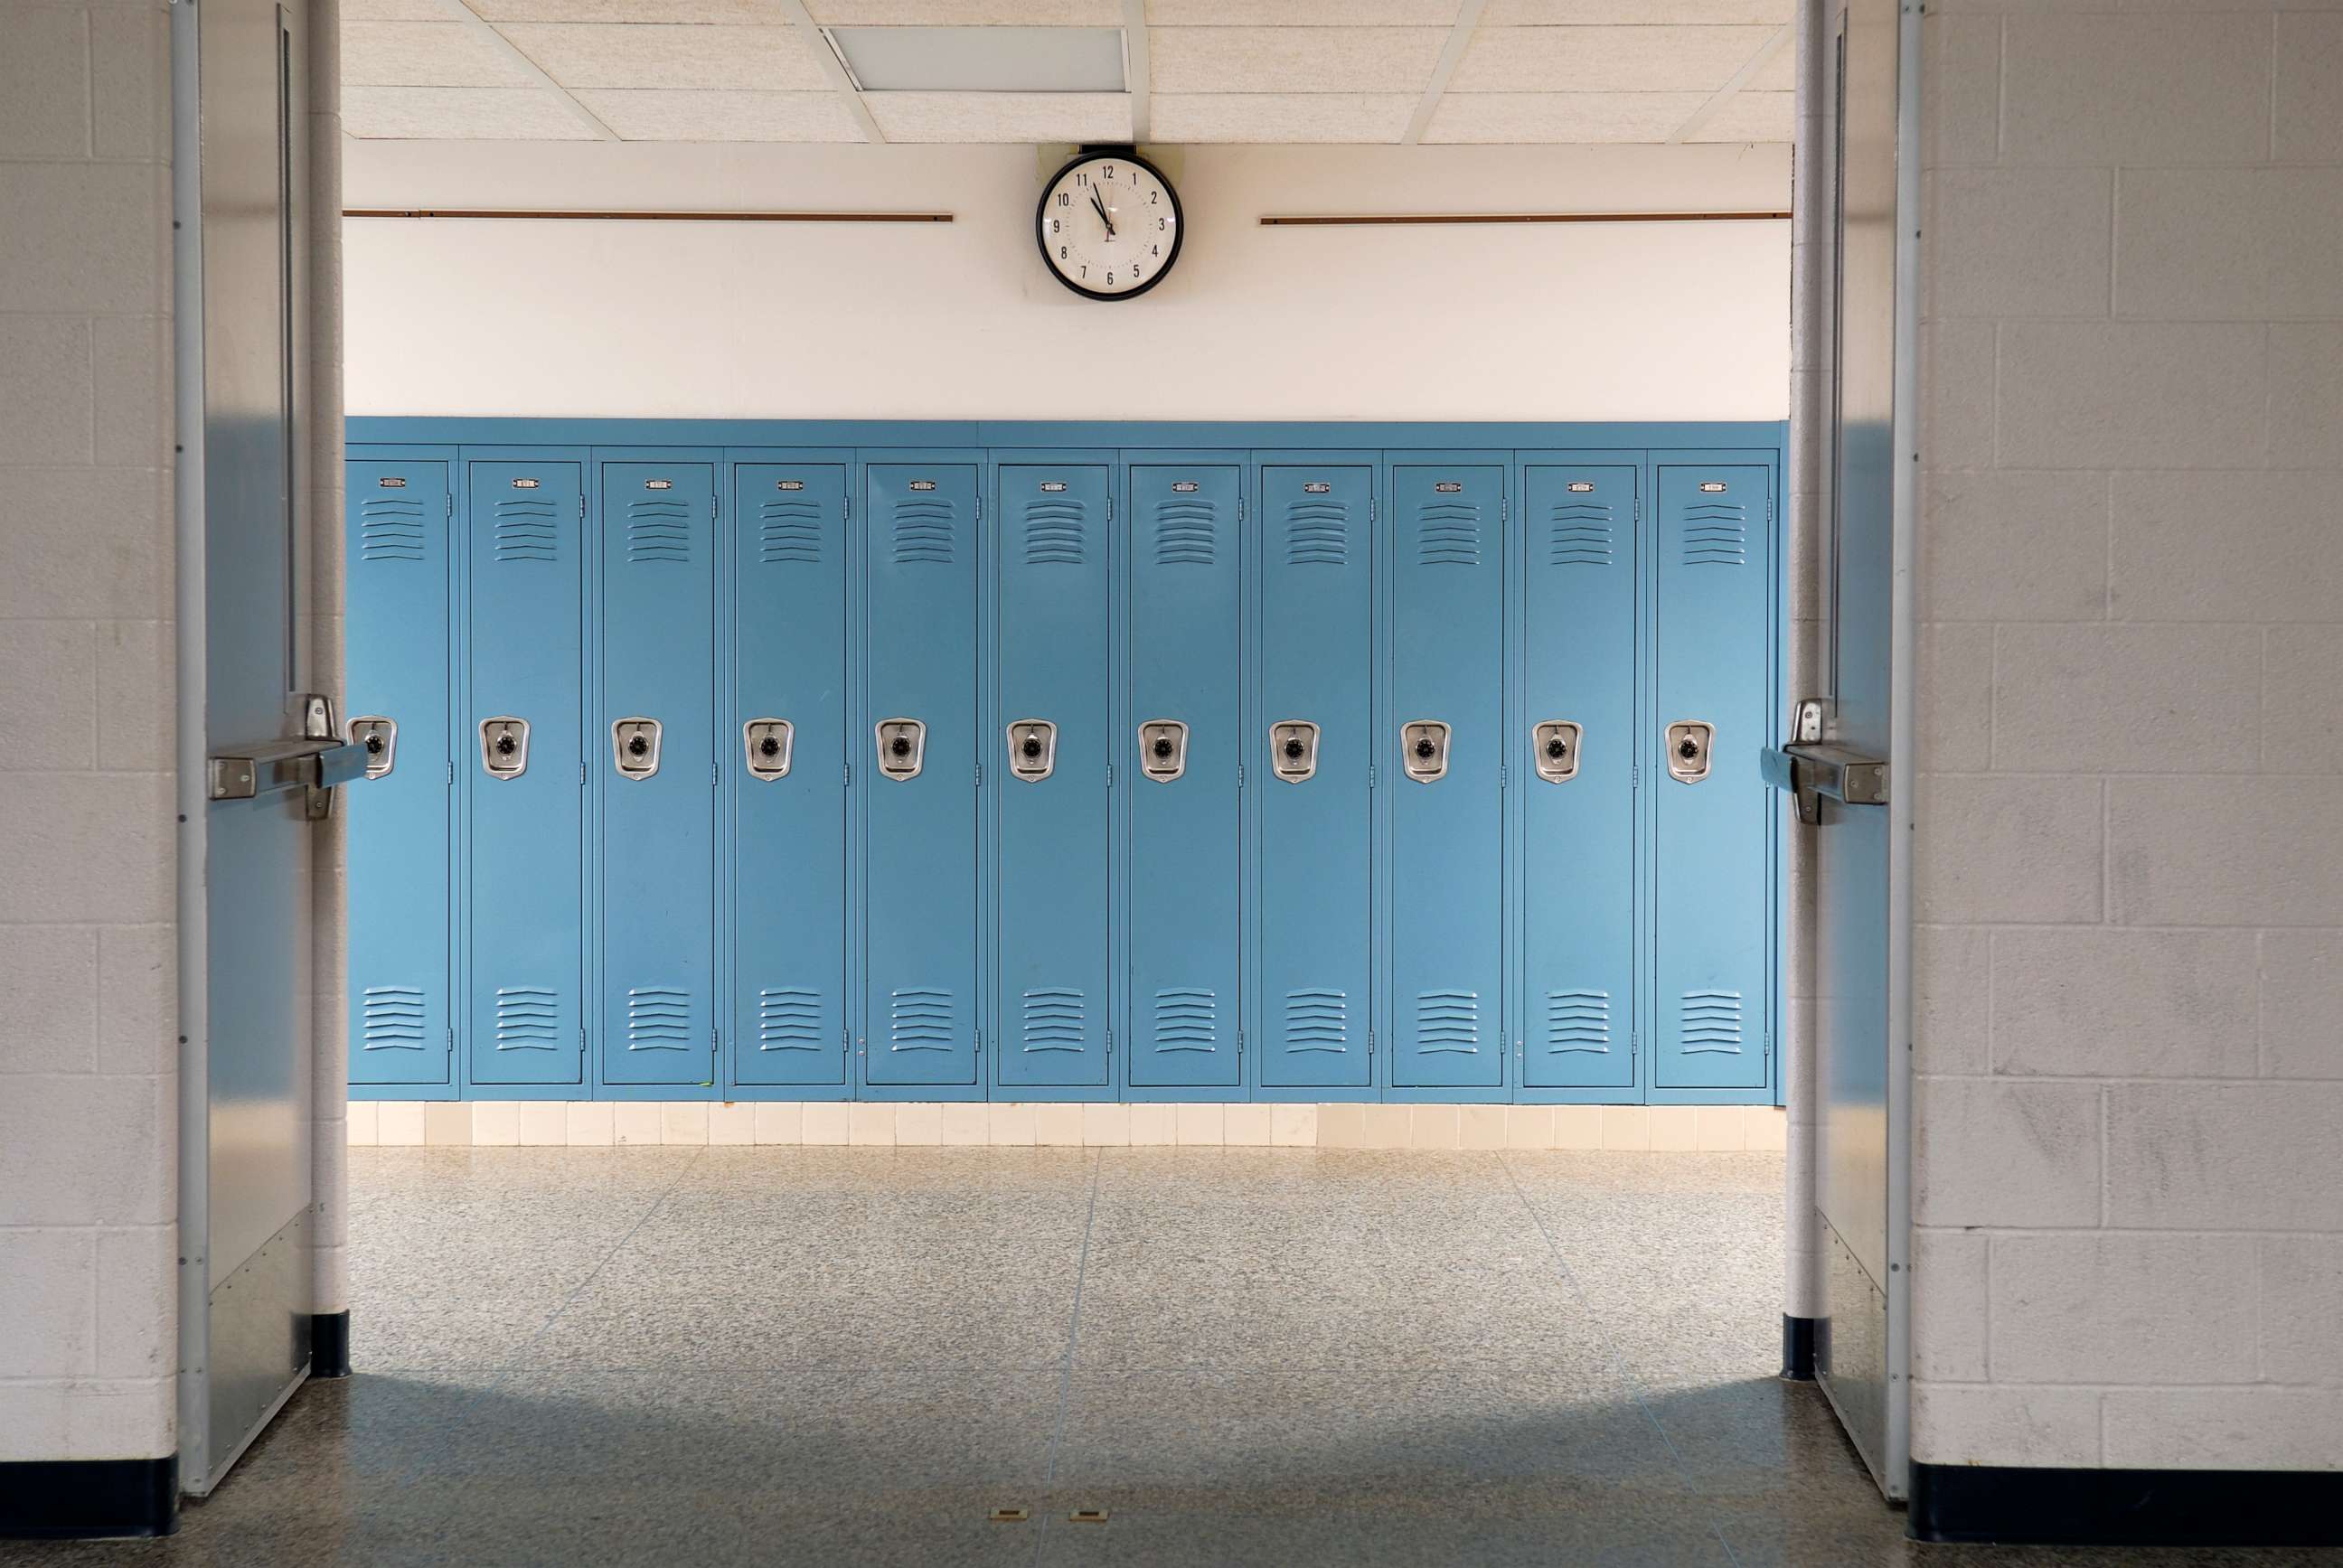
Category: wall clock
<point>1109,224</point>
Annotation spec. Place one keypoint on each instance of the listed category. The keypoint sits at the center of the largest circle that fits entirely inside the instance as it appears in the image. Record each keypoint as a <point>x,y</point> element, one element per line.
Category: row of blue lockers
<point>919,762</point>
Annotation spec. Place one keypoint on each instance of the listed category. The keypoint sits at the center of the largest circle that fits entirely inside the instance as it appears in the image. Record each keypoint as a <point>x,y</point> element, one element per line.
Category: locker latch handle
<point>1690,743</point>
<point>1293,749</point>
<point>635,747</point>
<point>1553,748</point>
<point>380,736</point>
<point>1424,750</point>
<point>504,746</point>
<point>1163,749</point>
<point>1033,750</point>
<point>767,742</point>
<point>902,747</point>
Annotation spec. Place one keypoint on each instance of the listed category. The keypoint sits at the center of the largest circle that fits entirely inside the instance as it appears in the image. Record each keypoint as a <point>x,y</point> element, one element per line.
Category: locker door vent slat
<point>1712,1022</point>
<point>788,1018</point>
<point>1448,534</point>
<point>1448,1021</point>
<point>1716,533</point>
<point>1318,1020</point>
<point>1055,535</point>
<point>1579,534</point>
<point>920,1018</point>
<point>528,1018</point>
<point>1318,534</point>
<point>1053,1019</point>
<point>391,1018</point>
<point>1578,1020</point>
<point>659,1018</point>
<point>788,532</point>
<point>923,532</point>
<point>658,531</point>
<point>526,529</point>
<point>1187,533</point>
<point>390,529</point>
<point>1186,1019</point>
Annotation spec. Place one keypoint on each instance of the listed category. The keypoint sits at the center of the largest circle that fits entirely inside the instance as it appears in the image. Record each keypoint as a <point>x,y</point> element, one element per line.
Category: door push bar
<point>316,762</point>
<point>1810,770</point>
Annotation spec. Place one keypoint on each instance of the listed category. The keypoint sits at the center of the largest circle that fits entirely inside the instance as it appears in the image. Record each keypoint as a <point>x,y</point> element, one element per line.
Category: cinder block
<point>1529,1127</point>
<point>130,82</point>
<point>2301,714</point>
<point>136,691</point>
<point>919,1123</point>
<point>1154,1124</point>
<point>447,1123</point>
<point>2122,1308</point>
<point>825,1123</point>
<point>1989,1151</point>
<point>1960,77</point>
<point>1293,1126</point>
<point>51,1022</point>
<point>138,999</point>
<point>46,393</point>
<point>1958,370</point>
<point>2277,549</point>
<point>585,1124</point>
<point>780,1121</point>
<point>2048,1428</point>
<point>2306,400</point>
<point>2127,698</point>
<point>637,1123</point>
<point>2021,241</point>
<point>2021,546</point>
<point>137,1289</point>
<point>2136,89</point>
<point>48,1294</point>
<point>871,1124</point>
<point>1481,1126</point>
<point>1200,1125</point>
<point>1432,1127</point>
<point>45,84</point>
<point>1058,1125</point>
<point>1011,1123</point>
<point>86,1418</point>
<point>2101,1002</point>
<point>731,1123</point>
<point>496,1123</point>
<point>2308,124</point>
<point>1106,1126</point>
<point>1245,1125</point>
<point>2246,245</point>
<point>2231,1157</point>
<point>2224,1428</point>
<point>104,851</point>
<point>2302,1004</point>
<point>2246,852</point>
<point>399,1123</point>
<point>2129,395</point>
<point>965,1124</point>
<point>2302,1310</point>
<point>1951,979</point>
<point>1955,697</point>
<point>2007,849</point>
<point>684,1122</point>
<point>1949,1306</point>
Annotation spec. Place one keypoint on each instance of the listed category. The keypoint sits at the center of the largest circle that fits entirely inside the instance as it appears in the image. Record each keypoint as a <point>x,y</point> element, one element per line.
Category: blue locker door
<point>1053,790</point>
<point>1317,632</point>
<point>1578,808</point>
<point>1185,894</point>
<point>920,856</point>
<point>397,652</point>
<point>1713,668</point>
<point>525,873</point>
<point>657,772</point>
<point>1447,929</point>
<point>789,830</point>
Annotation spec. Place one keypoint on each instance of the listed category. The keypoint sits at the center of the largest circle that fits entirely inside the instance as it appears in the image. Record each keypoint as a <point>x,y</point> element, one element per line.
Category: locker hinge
<point>1501,776</point>
<point>715,772</point>
<point>581,503</point>
<point>451,773</point>
<point>850,775</point>
<point>979,775</point>
<point>451,1039</point>
<point>1371,775</point>
<point>581,1037</point>
<point>980,509</point>
<point>448,497</point>
<point>1240,775</point>
<point>1240,1042</point>
<point>1110,508</point>
<point>715,505</point>
<point>1110,775</point>
<point>1109,1043</point>
<point>845,507</point>
<point>581,775</point>
<point>1374,506</point>
<point>1241,508</point>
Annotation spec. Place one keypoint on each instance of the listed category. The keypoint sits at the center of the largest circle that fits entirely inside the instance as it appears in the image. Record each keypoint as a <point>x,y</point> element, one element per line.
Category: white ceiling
<point>1263,71</point>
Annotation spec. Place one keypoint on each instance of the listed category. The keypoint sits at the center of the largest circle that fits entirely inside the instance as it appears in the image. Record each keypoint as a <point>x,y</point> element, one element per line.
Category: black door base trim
<point>329,1345</point>
<point>1797,1349</point>
<point>2127,1507</point>
<point>89,1497</point>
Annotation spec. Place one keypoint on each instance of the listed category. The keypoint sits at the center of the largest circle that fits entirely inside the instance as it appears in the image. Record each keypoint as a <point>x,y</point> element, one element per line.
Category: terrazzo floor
<point>850,1356</point>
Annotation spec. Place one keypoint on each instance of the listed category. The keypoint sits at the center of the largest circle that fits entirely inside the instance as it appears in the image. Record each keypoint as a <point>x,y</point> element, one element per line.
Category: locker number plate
<point>1033,750</point>
<point>1424,750</point>
<point>902,747</point>
<point>1554,748</point>
<point>767,742</point>
<point>1293,749</point>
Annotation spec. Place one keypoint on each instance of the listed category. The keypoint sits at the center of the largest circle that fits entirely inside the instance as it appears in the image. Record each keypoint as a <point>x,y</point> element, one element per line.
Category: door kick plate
<point>767,742</point>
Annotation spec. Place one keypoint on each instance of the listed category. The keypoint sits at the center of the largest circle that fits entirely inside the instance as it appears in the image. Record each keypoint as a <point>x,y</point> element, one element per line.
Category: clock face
<point>1109,226</point>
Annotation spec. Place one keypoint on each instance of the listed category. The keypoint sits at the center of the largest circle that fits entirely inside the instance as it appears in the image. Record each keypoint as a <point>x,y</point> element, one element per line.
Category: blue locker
<point>1447,753</point>
<point>1185,798</point>
<point>1053,848</point>
<point>524,731</point>
<point>1315,747</point>
<point>789,791</point>
<point>657,773</point>
<point>919,847</point>
<point>395,610</point>
<point>1575,759</point>
<point>1714,683</point>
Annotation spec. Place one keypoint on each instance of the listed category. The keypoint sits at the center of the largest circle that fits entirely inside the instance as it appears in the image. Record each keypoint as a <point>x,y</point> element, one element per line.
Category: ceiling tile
<point>1281,116</point>
<point>459,114</point>
<point>1001,117</point>
<point>1301,12</point>
<point>427,54</point>
<point>606,54</point>
<point>741,13</point>
<point>1560,116</point>
<point>1748,116</point>
<point>967,13</point>
<point>1632,13</point>
<point>663,115</point>
<point>1292,59</point>
<point>1604,59</point>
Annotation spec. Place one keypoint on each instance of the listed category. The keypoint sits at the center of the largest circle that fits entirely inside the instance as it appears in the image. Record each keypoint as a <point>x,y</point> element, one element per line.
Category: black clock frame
<point>1120,154</point>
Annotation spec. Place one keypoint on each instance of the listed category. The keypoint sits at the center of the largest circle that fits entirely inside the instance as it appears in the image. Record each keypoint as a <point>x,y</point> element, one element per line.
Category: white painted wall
<point>959,321</point>
<point>88,1031</point>
<point>2129,867</point>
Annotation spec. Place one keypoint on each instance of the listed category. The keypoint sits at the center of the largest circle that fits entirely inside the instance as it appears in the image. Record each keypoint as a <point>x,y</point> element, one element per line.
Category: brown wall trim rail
<point>1332,219</point>
<point>558,216</point>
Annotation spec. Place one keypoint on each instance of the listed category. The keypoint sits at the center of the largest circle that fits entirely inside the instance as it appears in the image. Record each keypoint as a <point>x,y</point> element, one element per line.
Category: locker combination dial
<point>1553,745</point>
<point>380,736</point>
<point>635,747</point>
<point>504,746</point>
<point>1689,744</point>
<point>1163,749</point>
<point>902,747</point>
<point>1293,749</point>
<point>1033,750</point>
<point>1424,750</point>
<point>767,742</point>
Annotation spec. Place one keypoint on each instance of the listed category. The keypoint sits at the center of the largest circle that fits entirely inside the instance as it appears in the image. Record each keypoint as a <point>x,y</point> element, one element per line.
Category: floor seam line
<point>1073,1341</point>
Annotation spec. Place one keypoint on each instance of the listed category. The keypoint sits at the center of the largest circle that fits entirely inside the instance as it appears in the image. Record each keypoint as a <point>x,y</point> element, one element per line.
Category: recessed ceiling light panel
<point>982,59</point>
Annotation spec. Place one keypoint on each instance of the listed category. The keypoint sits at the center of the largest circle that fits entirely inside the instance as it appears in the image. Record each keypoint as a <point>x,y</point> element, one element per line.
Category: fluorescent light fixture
<point>982,59</point>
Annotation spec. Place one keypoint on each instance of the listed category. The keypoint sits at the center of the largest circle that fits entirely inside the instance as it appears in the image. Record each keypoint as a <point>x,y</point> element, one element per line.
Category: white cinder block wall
<point>2129,883</point>
<point>88,1048</point>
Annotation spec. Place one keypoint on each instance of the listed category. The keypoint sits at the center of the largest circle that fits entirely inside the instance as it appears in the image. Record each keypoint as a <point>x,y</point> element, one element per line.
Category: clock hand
<point>1103,219</point>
